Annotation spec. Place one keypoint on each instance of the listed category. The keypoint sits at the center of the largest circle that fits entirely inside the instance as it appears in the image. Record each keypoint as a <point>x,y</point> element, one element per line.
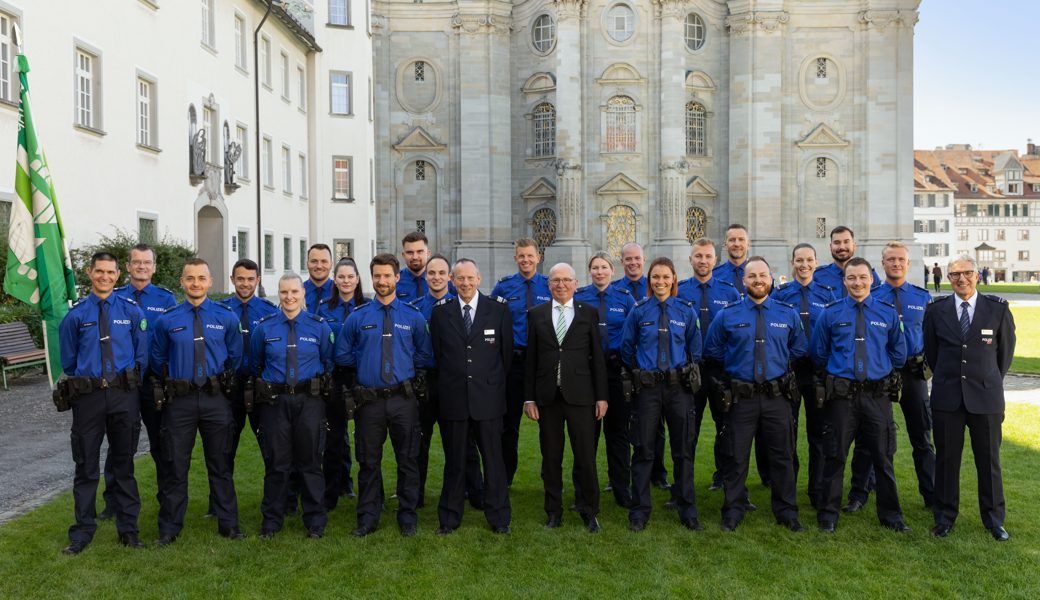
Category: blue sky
<point>976,76</point>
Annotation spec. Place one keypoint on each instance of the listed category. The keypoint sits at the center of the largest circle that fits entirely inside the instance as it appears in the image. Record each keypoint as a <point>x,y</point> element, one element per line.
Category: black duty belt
<point>304,387</point>
<point>125,380</point>
<point>652,378</point>
<point>382,393</point>
<point>183,387</point>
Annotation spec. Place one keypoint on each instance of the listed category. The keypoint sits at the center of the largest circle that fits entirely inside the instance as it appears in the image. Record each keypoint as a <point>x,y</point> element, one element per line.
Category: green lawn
<point>1027,343</point>
<point>997,288</point>
<point>760,560</point>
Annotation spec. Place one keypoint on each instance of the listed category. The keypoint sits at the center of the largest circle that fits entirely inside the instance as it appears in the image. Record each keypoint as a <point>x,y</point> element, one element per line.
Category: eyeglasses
<point>959,274</point>
<point>141,263</point>
<point>561,281</point>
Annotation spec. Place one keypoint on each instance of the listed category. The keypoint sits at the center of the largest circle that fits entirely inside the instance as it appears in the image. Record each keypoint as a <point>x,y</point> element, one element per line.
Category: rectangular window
<point>88,89</point>
<point>1023,235</point>
<point>287,253</point>
<point>821,68</point>
<point>1001,235</point>
<point>241,47</point>
<point>342,178</point>
<point>821,167</point>
<point>303,175</point>
<point>268,162</point>
<point>286,170</point>
<point>340,91</point>
<point>1000,255</point>
<point>962,235</point>
<point>983,235</point>
<point>147,115</point>
<point>303,256</point>
<point>268,252</point>
<point>243,244</point>
<point>265,60</point>
<point>343,248</point>
<point>339,12</point>
<point>242,166</point>
<point>208,23</point>
<point>286,83</point>
<point>146,230</point>
<point>301,77</point>
<point>1023,255</point>
<point>8,80</point>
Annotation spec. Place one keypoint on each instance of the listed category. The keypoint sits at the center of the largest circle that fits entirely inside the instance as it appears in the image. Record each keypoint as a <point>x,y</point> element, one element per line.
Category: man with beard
<point>732,271</point>
<point>415,251</point>
<point>319,285</point>
<point>843,248</point>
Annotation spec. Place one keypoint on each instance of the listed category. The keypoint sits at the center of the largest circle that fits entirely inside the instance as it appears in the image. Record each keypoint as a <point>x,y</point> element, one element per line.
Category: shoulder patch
<point>443,301</point>
<point>316,317</point>
<point>995,298</point>
<point>408,302</point>
<point>501,299</point>
<point>415,308</point>
<point>782,303</point>
<point>829,288</point>
<point>624,290</point>
<point>830,304</point>
<point>888,304</point>
<point>80,301</point>
<point>919,288</point>
<point>504,278</point>
<point>642,301</point>
<point>724,282</point>
<point>129,301</point>
<point>266,317</point>
<point>170,292</point>
<point>685,302</point>
<point>732,305</point>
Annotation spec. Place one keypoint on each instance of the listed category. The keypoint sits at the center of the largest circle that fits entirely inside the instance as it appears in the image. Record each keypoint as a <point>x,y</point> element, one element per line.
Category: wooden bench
<point>18,350</point>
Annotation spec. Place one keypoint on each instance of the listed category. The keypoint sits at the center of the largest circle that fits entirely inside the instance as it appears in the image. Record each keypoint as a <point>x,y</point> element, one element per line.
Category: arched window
<point>543,34</point>
<point>696,124</point>
<point>621,228</point>
<point>695,221</point>
<point>543,224</point>
<point>544,130</point>
<point>694,31</point>
<point>621,124</point>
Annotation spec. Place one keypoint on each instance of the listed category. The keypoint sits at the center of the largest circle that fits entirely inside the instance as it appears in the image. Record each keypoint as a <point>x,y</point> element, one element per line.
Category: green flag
<point>39,271</point>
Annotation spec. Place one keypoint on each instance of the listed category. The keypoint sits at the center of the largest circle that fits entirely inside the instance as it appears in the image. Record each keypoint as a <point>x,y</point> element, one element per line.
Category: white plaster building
<point>587,123</point>
<point>119,87</point>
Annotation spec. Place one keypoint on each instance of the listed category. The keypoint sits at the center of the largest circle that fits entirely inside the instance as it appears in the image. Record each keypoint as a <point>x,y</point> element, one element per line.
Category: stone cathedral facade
<point>588,123</point>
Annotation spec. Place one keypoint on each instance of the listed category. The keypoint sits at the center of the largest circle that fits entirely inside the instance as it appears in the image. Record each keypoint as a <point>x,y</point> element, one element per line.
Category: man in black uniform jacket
<point>472,338</point>
<point>566,382</point>
<point>969,339</point>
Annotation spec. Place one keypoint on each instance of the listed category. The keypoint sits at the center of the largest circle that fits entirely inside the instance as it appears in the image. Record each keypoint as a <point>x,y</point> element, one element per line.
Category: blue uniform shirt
<point>360,343</point>
<point>832,276</point>
<point>833,339</point>
<point>425,304</point>
<point>820,295</point>
<point>720,294</point>
<point>411,286</point>
<point>913,301</point>
<point>256,309</point>
<point>173,341</point>
<point>639,341</point>
<point>314,340</point>
<point>731,338</point>
<point>731,273</point>
<point>514,289</point>
<point>80,340</point>
<point>313,295</point>
<point>636,287</point>
<point>153,300</point>
<point>337,315</point>
<point>617,302</point>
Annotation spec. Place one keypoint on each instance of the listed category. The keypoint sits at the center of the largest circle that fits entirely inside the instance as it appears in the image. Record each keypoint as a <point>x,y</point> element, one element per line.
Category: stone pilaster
<point>672,203</point>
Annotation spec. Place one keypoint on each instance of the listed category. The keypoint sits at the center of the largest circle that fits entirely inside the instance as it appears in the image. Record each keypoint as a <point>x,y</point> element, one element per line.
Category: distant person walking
<point>936,276</point>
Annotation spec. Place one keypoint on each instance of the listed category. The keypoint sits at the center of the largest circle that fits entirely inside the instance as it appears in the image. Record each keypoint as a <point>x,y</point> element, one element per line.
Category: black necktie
<point>965,320</point>
<point>467,318</point>
<point>860,351</point>
<point>705,312</point>
<point>604,332</point>
<point>244,323</point>
<point>387,358</point>
<point>199,365</point>
<point>898,302</point>
<point>108,361</point>
<point>738,279</point>
<point>803,310</point>
<point>760,344</point>
<point>292,362</point>
<point>317,297</point>
<point>137,297</point>
<point>529,299</point>
<point>663,360</point>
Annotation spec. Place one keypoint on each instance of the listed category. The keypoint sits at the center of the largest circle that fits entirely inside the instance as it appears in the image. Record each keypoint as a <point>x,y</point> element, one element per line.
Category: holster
<point>418,384</point>
<point>247,393</point>
<point>837,388</point>
<point>627,387</point>
<point>741,390</point>
<point>61,394</point>
<point>789,387</point>
<point>721,389</point>
<point>263,393</point>
<point>918,366</point>
<point>819,381</point>
<point>691,378</point>
<point>893,384</point>
<point>228,382</point>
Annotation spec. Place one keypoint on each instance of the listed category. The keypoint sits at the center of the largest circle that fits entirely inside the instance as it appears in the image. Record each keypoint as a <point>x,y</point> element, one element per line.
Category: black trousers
<point>614,427</point>
<point>514,415</point>
<point>112,412</point>
<point>457,438</point>
<point>917,413</point>
<point>814,418</point>
<point>581,428</point>
<point>706,399</point>
<point>428,413</point>
<point>986,435</point>
<point>336,462</point>
<point>398,416</point>
<point>207,414</point>
<point>676,407</point>
<point>866,417</point>
<point>292,436</point>
<point>766,421</point>
<point>150,417</point>
<point>238,411</point>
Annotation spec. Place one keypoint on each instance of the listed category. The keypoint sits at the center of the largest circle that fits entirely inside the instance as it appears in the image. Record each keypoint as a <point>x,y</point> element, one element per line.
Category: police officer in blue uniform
<point>249,309</point>
<point>843,248</point>
<point>910,302</point>
<point>319,285</point>
<point>708,295</point>
<point>662,346</point>
<point>336,461</point>
<point>153,300</point>
<point>388,345</point>
<point>809,297</point>
<point>858,340</point>
<point>756,339</point>
<point>196,351</point>
<point>292,356</point>
<point>103,351</point>
<point>522,290</point>
<point>415,250</point>
<point>732,271</point>
<point>612,304</point>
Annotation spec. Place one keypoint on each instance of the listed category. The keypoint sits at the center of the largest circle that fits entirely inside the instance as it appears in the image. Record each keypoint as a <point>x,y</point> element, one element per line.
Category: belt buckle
<point>384,393</point>
<point>104,383</point>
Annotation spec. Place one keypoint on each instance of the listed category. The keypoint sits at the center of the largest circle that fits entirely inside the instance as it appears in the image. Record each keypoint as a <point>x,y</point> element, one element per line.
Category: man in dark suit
<point>472,339</point>
<point>969,339</point>
<point>566,382</point>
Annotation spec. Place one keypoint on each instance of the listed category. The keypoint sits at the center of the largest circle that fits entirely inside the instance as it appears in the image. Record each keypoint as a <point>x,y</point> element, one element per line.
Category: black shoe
<point>316,533</point>
<point>165,540</point>
<point>553,522</point>
<point>408,530</point>
<point>232,533</point>
<point>897,526</point>
<point>573,508</point>
<point>209,515</point>
<point>362,531</point>
<point>671,504</point>
<point>503,530</point>
<point>591,523</point>
<point>1000,534</point>
<point>750,507</point>
<point>106,514</point>
<point>442,530</point>
<point>609,488</point>
<point>663,484</point>
<point>942,530</point>
<point>715,486</point>
<point>636,526</point>
<point>853,506</point>
<point>692,524</point>
<point>266,534</point>
<point>74,548</point>
<point>729,525</point>
<point>793,524</point>
<point>130,540</point>
<point>827,527</point>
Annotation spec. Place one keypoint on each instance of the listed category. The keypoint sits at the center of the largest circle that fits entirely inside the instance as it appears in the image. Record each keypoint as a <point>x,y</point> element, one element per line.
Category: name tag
<point>489,332</point>
<point>647,323</point>
<point>364,327</point>
<point>738,325</point>
<point>274,339</point>
<point>176,329</point>
<point>89,324</point>
<point>987,332</point>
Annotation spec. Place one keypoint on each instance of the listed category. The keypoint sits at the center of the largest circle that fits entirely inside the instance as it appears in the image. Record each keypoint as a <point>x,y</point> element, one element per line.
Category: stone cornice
<point>883,18</point>
<point>675,9</point>
<point>570,9</point>
<point>767,21</point>
<point>481,23</point>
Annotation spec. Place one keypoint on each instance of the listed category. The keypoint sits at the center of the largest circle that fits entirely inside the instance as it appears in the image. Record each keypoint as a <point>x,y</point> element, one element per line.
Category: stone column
<point>756,136</point>
<point>672,203</point>
<point>571,244</point>
<point>485,166</point>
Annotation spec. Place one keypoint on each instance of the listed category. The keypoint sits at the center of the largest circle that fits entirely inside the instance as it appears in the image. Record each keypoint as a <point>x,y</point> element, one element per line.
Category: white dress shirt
<point>971,305</point>
<point>472,304</point>
<point>568,313</point>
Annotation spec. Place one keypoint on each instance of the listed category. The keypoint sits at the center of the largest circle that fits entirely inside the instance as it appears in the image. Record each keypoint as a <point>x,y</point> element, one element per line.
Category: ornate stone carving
<point>883,18</point>
<point>621,228</point>
<point>767,21</point>
<point>476,23</point>
<point>675,9</point>
<point>569,199</point>
<point>570,9</point>
<point>673,200</point>
<point>543,228</point>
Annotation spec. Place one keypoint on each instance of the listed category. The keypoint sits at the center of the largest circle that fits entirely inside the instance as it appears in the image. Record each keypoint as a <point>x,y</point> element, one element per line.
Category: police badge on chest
<point>987,337</point>
<point>489,337</point>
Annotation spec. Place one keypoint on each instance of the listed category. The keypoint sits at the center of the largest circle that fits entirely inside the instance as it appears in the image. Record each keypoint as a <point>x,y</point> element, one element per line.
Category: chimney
<point>1031,147</point>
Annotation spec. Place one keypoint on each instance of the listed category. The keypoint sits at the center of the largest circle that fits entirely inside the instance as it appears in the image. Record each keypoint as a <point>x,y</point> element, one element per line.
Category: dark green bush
<point>170,256</point>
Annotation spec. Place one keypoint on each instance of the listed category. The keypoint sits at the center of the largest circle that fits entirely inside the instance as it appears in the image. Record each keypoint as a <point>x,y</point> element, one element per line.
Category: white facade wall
<point>934,228</point>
